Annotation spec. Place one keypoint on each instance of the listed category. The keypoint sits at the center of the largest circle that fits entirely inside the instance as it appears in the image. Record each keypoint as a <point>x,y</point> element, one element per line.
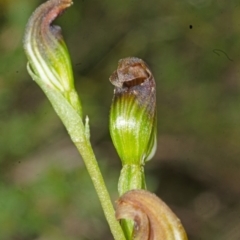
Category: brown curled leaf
<point>153,219</point>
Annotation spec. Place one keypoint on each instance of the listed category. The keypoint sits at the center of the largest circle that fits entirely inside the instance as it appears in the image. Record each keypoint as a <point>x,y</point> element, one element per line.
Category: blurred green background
<point>192,47</point>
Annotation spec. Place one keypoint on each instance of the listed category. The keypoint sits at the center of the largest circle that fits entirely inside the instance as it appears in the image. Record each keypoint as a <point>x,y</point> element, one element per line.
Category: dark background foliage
<point>192,47</point>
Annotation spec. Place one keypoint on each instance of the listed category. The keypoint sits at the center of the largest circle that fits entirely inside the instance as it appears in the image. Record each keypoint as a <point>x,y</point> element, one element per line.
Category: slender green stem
<point>77,131</point>
<point>88,156</point>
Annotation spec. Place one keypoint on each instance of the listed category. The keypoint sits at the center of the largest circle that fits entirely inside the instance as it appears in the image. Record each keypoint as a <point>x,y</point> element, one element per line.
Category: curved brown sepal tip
<point>131,71</point>
<point>134,78</point>
<point>42,18</point>
<point>153,219</point>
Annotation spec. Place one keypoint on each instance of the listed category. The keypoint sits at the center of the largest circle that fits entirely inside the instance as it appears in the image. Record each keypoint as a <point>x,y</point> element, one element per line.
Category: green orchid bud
<point>49,61</point>
<point>133,111</point>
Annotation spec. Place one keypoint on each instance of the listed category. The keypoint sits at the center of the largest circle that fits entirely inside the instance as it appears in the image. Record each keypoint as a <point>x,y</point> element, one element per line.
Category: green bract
<point>133,111</point>
<point>48,56</point>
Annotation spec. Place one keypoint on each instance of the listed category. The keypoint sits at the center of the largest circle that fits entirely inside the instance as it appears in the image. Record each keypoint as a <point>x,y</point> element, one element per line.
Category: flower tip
<point>45,47</point>
<point>131,71</point>
<point>49,63</point>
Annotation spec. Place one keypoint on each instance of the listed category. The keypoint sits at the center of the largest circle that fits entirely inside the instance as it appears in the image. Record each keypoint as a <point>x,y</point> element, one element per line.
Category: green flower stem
<point>131,177</point>
<point>80,137</point>
<point>88,156</point>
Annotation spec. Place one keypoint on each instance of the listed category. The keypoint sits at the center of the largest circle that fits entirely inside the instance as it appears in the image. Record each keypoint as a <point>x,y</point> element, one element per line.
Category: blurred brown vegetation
<point>192,47</point>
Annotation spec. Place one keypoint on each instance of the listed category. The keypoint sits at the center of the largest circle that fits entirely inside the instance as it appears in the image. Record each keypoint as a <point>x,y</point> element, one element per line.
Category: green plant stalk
<point>80,137</point>
<point>131,177</point>
<point>91,164</point>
